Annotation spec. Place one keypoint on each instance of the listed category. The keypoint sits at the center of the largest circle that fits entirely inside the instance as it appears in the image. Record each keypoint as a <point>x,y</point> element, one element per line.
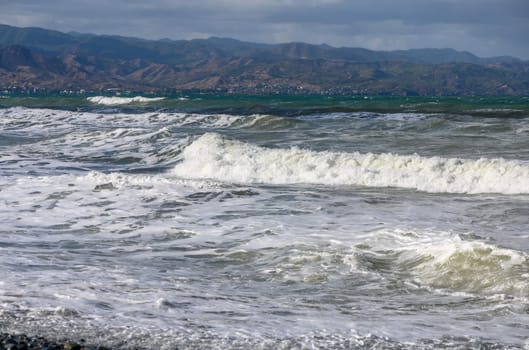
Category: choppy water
<point>213,222</point>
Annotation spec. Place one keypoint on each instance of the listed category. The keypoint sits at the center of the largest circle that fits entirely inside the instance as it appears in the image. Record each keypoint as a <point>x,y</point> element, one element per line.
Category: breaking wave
<point>448,262</point>
<point>212,156</point>
<point>110,101</point>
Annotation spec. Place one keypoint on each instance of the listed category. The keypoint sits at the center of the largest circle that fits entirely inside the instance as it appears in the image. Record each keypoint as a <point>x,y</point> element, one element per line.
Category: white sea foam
<point>113,100</point>
<point>216,157</point>
<point>71,199</point>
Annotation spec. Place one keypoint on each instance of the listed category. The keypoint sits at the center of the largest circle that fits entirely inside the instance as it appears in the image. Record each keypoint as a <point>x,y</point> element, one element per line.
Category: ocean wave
<point>213,156</point>
<point>444,261</point>
<point>434,260</point>
<point>400,117</point>
<point>42,120</point>
<point>109,101</point>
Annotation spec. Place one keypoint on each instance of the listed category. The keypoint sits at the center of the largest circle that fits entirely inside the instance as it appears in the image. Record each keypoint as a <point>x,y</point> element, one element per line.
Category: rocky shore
<point>24,342</point>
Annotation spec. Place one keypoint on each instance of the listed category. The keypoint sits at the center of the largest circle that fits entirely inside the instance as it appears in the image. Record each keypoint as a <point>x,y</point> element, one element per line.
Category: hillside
<point>39,59</point>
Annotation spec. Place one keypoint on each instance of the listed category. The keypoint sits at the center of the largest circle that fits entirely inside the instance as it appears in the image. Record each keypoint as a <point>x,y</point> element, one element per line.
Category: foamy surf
<point>113,100</point>
<point>213,156</point>
<point>101,239</point>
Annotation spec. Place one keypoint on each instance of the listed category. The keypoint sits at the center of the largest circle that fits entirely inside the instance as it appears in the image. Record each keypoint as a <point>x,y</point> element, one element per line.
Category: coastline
<point>24,342</point>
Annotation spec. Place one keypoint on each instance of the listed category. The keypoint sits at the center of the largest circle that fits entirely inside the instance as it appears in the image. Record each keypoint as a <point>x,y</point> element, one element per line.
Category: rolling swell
<point>124,139</point>
<point>22,119</point>
<point>213,156</point>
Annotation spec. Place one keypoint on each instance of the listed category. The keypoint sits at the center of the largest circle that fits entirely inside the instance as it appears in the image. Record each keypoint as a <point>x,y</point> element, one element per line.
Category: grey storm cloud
<point>484,27</point>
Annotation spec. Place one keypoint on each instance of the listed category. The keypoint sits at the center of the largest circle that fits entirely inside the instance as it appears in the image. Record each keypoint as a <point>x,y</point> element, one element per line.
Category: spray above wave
<point>215,157</point>
<point>111,101</point>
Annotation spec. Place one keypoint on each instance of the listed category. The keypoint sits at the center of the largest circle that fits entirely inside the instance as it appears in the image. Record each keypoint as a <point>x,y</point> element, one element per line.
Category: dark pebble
<point>23,342</point>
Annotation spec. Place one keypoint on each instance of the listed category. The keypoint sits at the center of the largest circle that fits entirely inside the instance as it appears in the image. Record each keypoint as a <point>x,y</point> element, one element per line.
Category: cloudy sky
<point>483,27</point>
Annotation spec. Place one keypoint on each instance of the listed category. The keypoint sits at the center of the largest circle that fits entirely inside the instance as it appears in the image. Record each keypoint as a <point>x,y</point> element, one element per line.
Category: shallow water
<point>145,224</point>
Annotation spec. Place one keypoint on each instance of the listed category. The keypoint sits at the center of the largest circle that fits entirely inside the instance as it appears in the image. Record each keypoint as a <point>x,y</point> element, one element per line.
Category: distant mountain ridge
<point>52,60</point>
<point>173,51</point>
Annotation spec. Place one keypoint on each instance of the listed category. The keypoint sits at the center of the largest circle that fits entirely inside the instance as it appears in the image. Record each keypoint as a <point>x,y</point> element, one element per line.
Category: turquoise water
<point>242,222</point>
<point>293,105</point>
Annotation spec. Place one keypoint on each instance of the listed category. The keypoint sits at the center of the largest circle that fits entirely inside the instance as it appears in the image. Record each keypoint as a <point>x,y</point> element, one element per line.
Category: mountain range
<point>36,59</point>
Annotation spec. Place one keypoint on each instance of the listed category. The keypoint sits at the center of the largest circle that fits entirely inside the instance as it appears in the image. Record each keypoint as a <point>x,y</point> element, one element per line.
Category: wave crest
<point>110,101</point>
<point>216,157</point>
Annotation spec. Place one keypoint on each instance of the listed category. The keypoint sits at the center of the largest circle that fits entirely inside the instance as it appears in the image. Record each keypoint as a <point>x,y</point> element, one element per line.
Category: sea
<point>210,221</point>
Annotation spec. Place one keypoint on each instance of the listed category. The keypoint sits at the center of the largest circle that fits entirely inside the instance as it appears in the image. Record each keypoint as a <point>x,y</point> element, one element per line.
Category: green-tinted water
<point>293,105</point>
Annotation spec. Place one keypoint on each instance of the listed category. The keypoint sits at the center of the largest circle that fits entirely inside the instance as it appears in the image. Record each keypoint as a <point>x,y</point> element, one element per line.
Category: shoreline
<point>11,341</point>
